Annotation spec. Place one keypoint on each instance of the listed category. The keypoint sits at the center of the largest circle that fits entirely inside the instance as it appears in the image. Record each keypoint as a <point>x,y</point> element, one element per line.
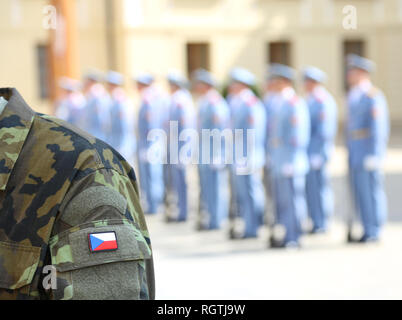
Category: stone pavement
<point>191,265</point>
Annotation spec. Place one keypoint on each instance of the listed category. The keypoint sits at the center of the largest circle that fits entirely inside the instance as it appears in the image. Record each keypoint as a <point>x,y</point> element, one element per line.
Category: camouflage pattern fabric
<point>57,185</point>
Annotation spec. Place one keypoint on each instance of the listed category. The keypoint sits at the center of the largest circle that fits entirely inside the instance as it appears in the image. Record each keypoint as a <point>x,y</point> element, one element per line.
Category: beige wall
<point>150,35</point>
<point>238,31</point>
<point>91,34</point>
<point>21,31</point>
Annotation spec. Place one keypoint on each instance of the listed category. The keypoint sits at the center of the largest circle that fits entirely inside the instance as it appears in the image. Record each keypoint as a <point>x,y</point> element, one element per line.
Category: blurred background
<point>131,36</point>
<point>44,40</point>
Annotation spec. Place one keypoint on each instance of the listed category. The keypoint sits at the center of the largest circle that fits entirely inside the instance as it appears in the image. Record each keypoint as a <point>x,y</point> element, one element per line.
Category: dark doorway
<point>352,46</point>
<point>279,52</point>
<point>197,57</point>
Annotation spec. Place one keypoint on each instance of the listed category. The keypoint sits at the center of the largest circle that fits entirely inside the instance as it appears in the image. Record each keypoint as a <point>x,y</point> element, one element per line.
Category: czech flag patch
<point>102,241</point>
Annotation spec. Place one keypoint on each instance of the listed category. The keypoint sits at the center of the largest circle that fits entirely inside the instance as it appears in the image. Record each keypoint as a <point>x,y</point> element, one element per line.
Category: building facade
<point>219,34</point>
<point>25,27</point>
<point>160,35</point>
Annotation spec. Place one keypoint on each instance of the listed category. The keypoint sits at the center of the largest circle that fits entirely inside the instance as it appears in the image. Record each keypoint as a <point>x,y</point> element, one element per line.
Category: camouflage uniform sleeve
<point>103,202</point>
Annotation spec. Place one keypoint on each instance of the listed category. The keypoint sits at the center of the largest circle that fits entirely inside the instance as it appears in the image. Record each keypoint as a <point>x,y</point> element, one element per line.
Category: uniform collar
<point>211,92</point>
<point>148,90</point>
<point>181,94</point>
<point>359,90</point>
<point>363,86</point>
<point>118,94</point>
<point>246,91</point>
<point>366,86</point>
<point>317,92</point>
<point>15,123</point>
<point>288,92</point>
<point>96,90</point>
<point>244,94</point>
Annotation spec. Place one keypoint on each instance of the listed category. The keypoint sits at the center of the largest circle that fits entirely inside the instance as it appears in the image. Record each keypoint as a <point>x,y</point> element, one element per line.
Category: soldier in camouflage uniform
<point>59,187</point>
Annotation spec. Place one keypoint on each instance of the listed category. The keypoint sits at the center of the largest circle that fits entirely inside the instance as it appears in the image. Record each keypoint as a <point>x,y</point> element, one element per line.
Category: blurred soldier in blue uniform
<point>213,118</point>
<point>289,162</point>
<point>119,132</point>
<point>150,117</point>
<point>96,108</point>
<point>367,132</point>
<point>323,119</point>
<point>169,195</point>
<point>248,116</point>
<point>270,109</point>
<point>71,106</point>
<point>181,114</point>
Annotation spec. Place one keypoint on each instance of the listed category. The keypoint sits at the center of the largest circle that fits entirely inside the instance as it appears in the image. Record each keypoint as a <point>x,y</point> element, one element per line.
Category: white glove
<point>371,163</point>
<point>316,161</point>
<point>287,170</point>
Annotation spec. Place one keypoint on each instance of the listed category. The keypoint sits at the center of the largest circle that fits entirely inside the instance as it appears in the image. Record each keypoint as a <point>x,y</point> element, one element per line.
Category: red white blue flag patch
<point>102,241</point>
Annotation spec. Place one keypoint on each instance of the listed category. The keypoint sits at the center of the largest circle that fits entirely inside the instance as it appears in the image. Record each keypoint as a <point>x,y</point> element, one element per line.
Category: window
<point>279,52</point>
<point>352,46</point>
<point>43,63</point>
<point>197,57</point>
